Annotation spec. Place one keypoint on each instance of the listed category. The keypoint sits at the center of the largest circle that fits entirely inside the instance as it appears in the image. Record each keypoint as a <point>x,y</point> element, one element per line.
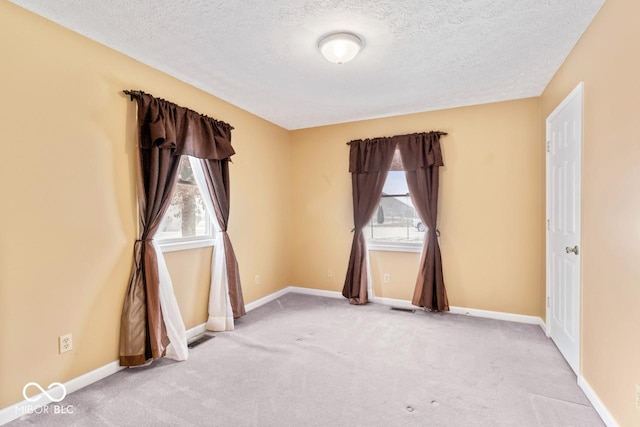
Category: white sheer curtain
<point>371,296</point>
<point>173,322</point>
<point>220,311</point>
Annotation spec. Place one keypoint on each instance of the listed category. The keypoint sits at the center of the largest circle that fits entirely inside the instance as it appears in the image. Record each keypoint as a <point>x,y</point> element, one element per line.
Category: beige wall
<point>491,211</point>
<point>68,215</point>
<point>607,59</point>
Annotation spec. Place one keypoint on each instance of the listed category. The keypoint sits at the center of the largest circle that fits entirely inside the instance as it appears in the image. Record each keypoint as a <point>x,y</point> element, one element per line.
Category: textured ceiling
<point>262,55</point>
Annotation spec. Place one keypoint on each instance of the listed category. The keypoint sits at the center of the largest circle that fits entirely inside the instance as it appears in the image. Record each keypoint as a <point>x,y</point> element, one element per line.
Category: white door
<point>564,153</point>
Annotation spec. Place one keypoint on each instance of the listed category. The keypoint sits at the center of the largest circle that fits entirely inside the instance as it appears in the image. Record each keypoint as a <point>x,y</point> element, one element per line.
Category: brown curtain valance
<point>169,126</point>
<point>423,149</point>
<point>370,155</point>
<point>420,150</point>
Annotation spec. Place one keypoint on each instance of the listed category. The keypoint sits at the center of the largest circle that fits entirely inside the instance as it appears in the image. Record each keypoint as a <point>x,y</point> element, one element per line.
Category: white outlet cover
<point>65,343</point>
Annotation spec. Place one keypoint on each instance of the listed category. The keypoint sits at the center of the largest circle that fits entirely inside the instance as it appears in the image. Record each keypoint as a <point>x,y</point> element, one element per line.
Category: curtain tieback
<point>437,233</point>
<point>139,241</point>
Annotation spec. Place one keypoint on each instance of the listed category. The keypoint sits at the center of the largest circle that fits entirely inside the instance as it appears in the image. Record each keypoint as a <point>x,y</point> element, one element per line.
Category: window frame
<point>381,246</point>
<point>193,242</point>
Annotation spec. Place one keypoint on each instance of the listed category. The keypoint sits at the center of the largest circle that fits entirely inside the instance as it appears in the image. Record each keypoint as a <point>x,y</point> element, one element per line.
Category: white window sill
<point>394,247</point>
<point>185,245</point>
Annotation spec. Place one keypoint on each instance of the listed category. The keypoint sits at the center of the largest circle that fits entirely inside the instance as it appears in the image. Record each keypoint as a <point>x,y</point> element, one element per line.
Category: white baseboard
<point>606,416</point>
<point>91,377</point>
<point>274,296</point>
<point>268,298</point>
<point>19,409</point>
<point>474,312</point>
<point>400,303</point>
<point>520,318</point>
<point>196,331</point>
<point>498,315</point>
<point>315,292</point>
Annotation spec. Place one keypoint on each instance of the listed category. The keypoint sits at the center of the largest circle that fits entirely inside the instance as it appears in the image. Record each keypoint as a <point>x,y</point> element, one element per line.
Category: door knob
<point>573,249</point>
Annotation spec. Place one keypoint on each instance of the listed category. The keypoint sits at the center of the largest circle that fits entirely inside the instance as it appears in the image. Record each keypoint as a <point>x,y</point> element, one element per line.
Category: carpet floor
<point>311,361</point>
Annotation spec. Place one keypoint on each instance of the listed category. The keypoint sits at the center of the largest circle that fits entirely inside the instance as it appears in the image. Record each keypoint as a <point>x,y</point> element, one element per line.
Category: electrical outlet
<point>257,279</point>
<point>386,278</point>
<point>330,273</point>
<point>637,395</point>
<point>65,343</point>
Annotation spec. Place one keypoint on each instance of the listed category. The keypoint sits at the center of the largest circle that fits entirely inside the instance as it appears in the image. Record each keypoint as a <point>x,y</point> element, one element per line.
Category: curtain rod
<point>138,93</point>
<point>132,93</point>
<point>438,132</point>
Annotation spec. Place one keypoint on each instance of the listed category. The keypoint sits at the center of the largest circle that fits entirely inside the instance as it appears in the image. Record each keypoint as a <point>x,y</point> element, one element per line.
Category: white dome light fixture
<point>340,48</point>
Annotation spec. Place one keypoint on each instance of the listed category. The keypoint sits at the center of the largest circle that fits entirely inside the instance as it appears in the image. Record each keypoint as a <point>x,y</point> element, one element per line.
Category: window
<point>395,225</point>
<point>187,223</point>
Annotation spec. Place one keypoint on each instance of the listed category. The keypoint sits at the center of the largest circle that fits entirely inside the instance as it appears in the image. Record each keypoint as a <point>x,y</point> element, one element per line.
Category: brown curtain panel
<point>216,173</point>
<point>369,163</point>
<point>422,158</point>
<point>165,131</point>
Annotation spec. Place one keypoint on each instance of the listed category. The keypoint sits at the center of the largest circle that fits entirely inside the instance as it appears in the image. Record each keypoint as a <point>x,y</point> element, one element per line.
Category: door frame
<point>578,91</point>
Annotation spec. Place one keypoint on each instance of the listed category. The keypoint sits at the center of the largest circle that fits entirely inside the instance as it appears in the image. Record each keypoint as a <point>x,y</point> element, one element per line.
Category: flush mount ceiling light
<point>340,48</point>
